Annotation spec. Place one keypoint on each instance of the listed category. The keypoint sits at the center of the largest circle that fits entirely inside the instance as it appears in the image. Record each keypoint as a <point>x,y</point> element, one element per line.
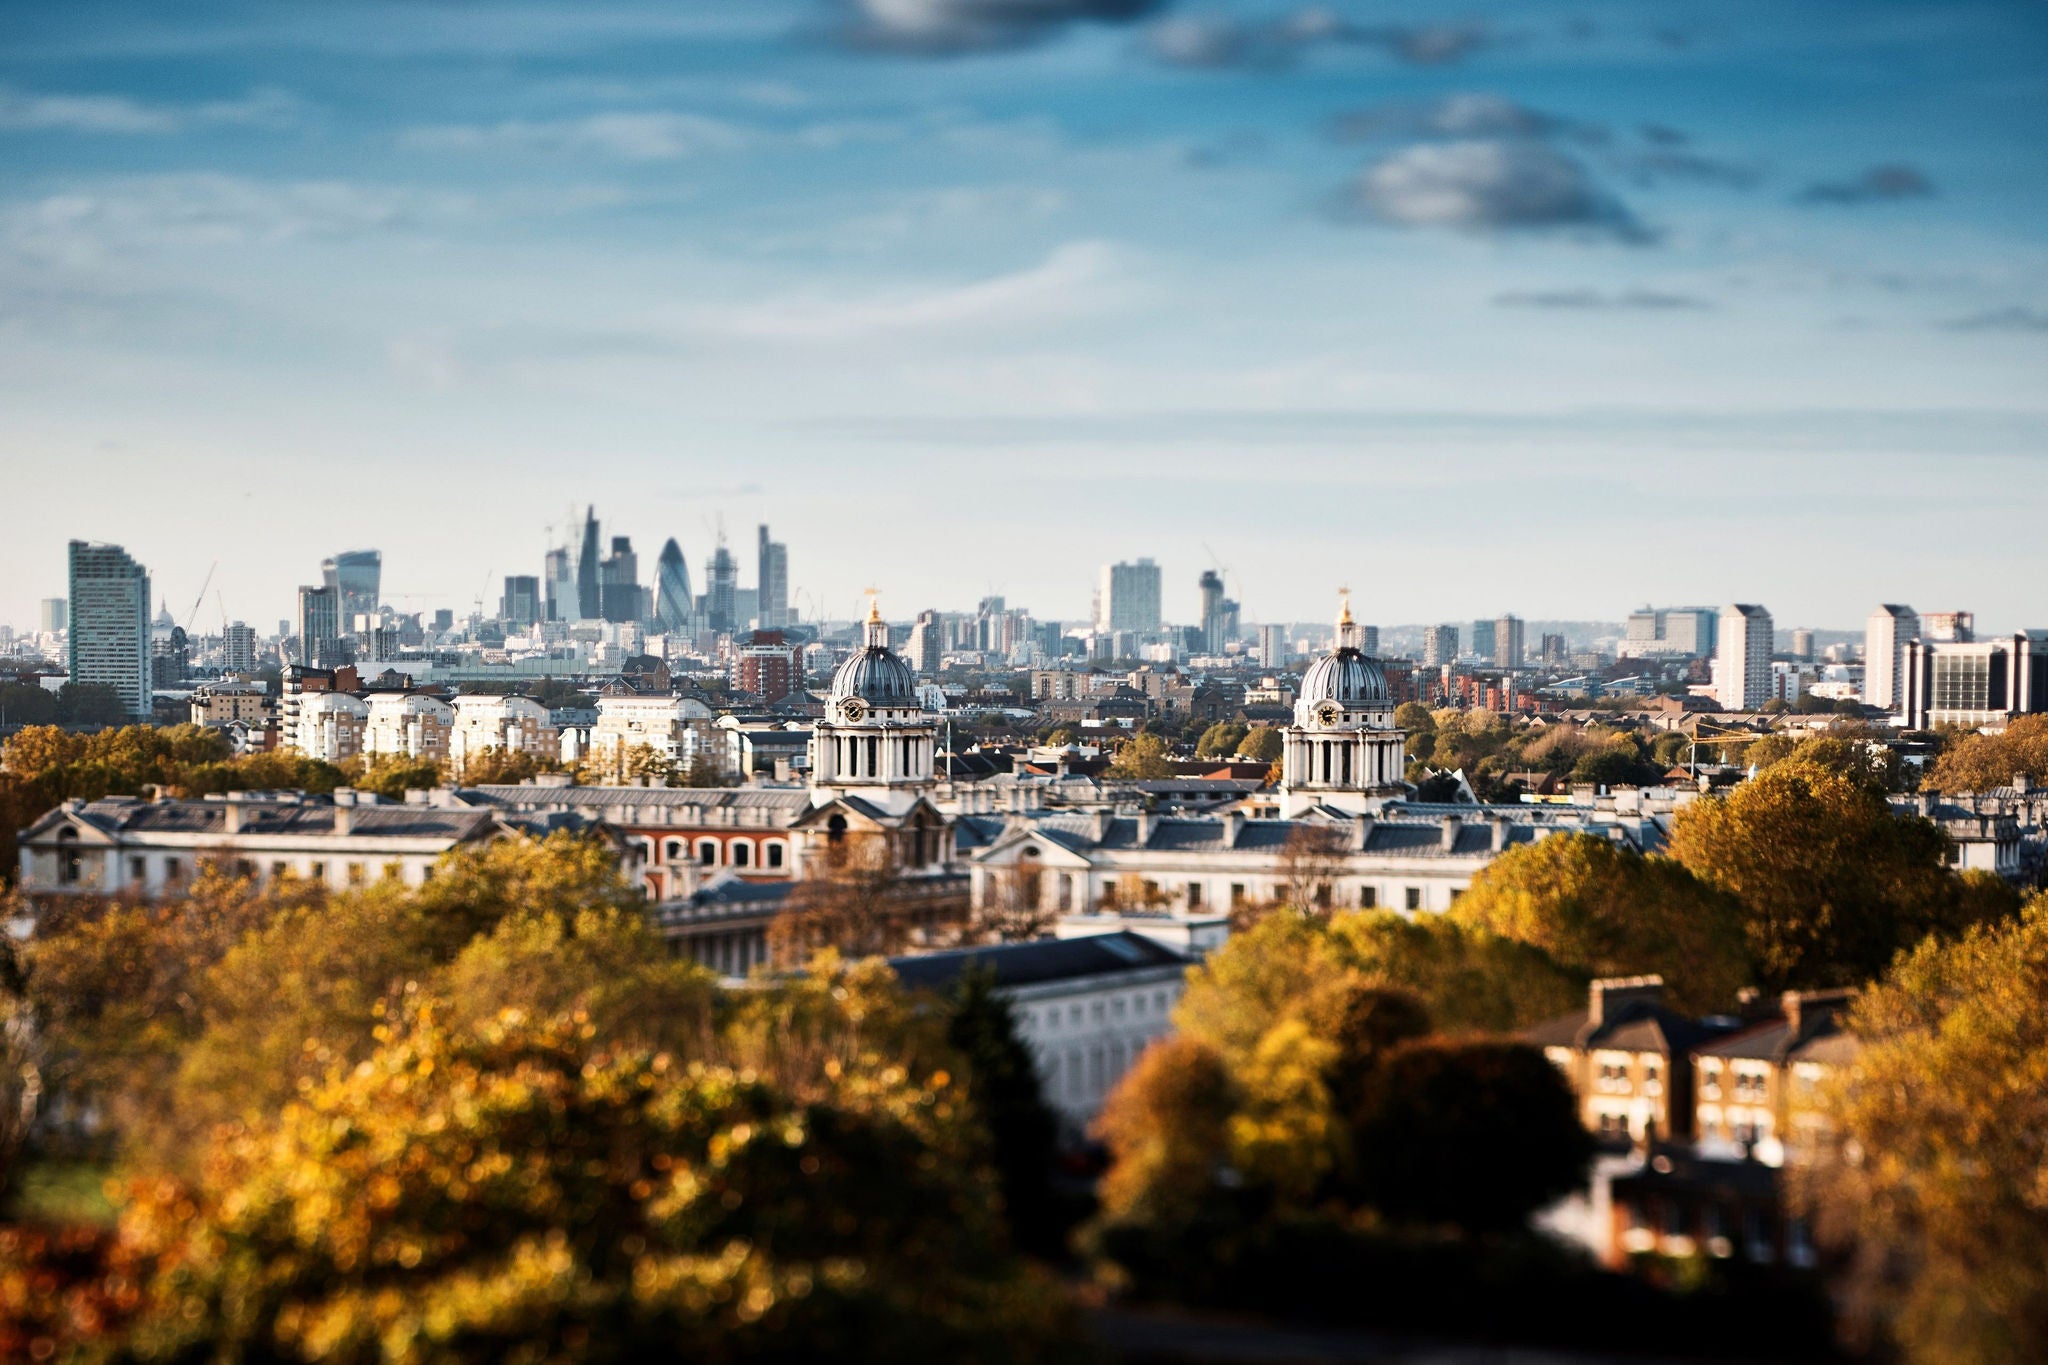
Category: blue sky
<point>1548,308</point>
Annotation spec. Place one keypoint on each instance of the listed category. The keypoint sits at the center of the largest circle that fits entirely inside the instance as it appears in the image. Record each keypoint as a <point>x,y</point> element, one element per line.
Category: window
<point>1236,894</point>
<point>742,854</point>
<point>355,874</point>
<point>673,851</point>
<point>1368,897</point>
<point>279,869</point>
<point>1194,895</point>
<point>138,869</point>
<point>1414,897</point>
<point>317,871</point>
<point>773,852</point>
<point>69,863</point>
<point>173,870</point>
<point>707,852</point>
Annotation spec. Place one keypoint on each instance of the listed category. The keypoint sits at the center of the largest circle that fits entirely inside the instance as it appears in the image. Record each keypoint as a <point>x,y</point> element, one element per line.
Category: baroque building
<point>1343,750</point>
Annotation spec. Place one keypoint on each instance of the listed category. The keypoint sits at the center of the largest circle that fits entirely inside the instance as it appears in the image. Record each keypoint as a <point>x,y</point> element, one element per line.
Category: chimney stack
<point>1451,825</point>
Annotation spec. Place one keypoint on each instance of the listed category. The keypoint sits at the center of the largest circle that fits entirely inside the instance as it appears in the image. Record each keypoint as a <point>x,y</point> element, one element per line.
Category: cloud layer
<point>952,27</point>
<point>1490,184</point>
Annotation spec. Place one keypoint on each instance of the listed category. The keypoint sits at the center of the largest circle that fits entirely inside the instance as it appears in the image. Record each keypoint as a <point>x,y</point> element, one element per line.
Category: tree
<point>1979,762</point>
<point>1013,908</point>
<point>1143,757</point>
<point>1617,764</point>
<point>90,704</point>
<point>855,900</point>
<point>1831,882</point>
<point>1310,863</point>
<point>1432,1135</point>
<point>529,1188</point>
<point>26,704</point>
<point>1220,740</point>
<point>1261,744</point>
<point>1166,1127</point>
<point>1002,1083</point>
<point>1934,1174</point>
<point>392,775</point>
<point>1466,978</point>
<point>504,767</point>
<point>1415,718</point>
<point>1601,908</point>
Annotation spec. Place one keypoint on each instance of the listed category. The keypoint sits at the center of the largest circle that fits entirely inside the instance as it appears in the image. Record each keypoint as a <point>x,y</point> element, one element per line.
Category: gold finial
<point>874,607</point>
<point>1344,611</point>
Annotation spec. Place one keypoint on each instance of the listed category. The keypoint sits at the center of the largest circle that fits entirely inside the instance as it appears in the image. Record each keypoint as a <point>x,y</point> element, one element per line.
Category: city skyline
<point>1725,294</point>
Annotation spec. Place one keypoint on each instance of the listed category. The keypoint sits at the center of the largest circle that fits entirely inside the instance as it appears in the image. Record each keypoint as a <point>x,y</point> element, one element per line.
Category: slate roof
<point>514,794</point>
<point>1043,960</point>
<point>1210,834</point>
<point>125,815</point>
<point>723,900</point>
<point>1633,1026</point>
<point>1820,1037</point>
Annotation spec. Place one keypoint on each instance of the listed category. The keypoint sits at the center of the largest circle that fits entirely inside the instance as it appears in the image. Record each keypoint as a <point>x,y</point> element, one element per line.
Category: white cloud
<point>1076,279</point>
<point>22,111</point>
<point>1488,183</point>
<point>627,136</point>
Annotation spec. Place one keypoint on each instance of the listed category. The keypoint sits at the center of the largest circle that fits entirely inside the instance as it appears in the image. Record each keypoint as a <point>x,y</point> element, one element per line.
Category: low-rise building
<point>220,703</point>
<point>674,730</point>
<point>407,725</point>
<point>500,725</point>
<point>1087,1008</point>
<point>329,726</point>
<point>1627,1057</point>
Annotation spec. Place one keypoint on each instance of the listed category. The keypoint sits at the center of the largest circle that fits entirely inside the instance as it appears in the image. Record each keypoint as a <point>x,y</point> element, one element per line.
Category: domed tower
<point>1343,747</point>
<point>876,740</point>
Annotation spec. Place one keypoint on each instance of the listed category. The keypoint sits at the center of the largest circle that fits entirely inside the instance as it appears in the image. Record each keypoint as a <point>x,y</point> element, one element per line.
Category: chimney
<point>1500,833</point>
<point>231,814</point>
<point>1606,997</point>
<point>1146,821</point>
<point>1233,825</point>
<point>1924,803</point>
<point>344,812</point>
<point>1451,825</point>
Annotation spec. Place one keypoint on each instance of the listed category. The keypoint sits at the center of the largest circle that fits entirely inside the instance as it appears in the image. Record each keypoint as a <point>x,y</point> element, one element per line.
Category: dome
<point>1346,677</point>
<point>876,676</point>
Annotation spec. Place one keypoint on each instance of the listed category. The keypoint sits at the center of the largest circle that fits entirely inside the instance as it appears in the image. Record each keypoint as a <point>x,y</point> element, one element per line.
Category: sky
<point>1548,308</point>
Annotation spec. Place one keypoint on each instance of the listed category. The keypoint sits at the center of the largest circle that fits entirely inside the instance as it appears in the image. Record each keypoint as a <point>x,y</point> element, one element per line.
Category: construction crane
<point>191,615</point>
<point>481,590</point>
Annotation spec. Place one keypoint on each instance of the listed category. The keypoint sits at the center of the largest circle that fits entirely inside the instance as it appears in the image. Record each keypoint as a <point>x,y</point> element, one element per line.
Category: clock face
<point>853,709</point>
<point>1329,713</point>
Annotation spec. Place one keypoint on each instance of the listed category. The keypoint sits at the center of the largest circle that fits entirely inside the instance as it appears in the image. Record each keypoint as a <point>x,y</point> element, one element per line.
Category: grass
<point>62,1192</point>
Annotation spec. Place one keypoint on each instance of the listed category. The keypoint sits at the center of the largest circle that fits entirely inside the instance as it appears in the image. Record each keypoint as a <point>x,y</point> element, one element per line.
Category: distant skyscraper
<point>357,577</point>
<point>522,602</point>
<point>1369,641</point>
<point>238,648</point>
<point>56,614</point>
<point>1130,597</point>
<point>1552,649</point>
<point>320,627</point>
<point>1743,665</point>
<point>558,583</point>
<point>772,566</point>
<point>721,588</point>
<point>109,623</point>
<point>1802,645</point>
<point>1211,584</point>
<point>1885,636</point>
<point>924,652</point>
<point>1483,639</point>
<point>589,579</point>
<point>1272,646</point>
<point>674,607</point>
<point>620,577</point>
<point>1507,642</point>
<point>1671,630</point>
<point>1439,644</point>
<point>1949,627</point>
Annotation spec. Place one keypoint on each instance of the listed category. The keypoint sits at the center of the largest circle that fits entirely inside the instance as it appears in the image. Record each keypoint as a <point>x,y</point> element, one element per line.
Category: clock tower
<point>1343,750</point>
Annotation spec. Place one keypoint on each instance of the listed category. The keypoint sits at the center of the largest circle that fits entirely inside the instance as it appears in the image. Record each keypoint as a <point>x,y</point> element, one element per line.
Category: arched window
<point>772,851</point>
<point>742,854</point>
<point>707,852</point>
<point>835,829</point>
<point>69,863</point>
<point>674,851</point>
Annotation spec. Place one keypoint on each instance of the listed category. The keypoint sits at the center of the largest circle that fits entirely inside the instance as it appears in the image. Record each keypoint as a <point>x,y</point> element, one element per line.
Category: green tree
<point>1466,978</point>
<point>1220,740</point>
<point>1617,764</point>
<point>25,704</point>
<point>391,776</point>
<point>1429,1135</point>
<point>1935,1173</point>
<point>1831,881</point>
<point>1599,907</point>
<point>1415,718</point>
<point>1002,1083</point>
<point>90,704</point>
<point>1261,744</point>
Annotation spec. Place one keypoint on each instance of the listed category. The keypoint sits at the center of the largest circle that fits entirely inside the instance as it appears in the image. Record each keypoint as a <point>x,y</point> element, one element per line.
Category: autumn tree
<point>1830,880</point>
<point>1166,1126</point>
<point>1220,740</point>
<point>1143,757</point>
<point>1599,907</point>
<point>528,1187</point>
<point>391,776</point>
<point>1261,744</point>
<point>1310,863</point>
<point>854,898</point>
<point>1979,762</point>
<point>1013,905</point>
<point>1002,1085</point>
<point>1935,1174</point>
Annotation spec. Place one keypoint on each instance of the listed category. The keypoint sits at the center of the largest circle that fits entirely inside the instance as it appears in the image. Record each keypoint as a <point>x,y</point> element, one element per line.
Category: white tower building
<point>1343,748</point>
<point>876,741</point>
<point>1885,637</point>
<point>1742,674</point>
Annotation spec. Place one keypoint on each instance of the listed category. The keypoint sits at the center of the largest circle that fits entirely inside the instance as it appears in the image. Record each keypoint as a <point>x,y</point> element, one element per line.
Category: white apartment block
<point>1742,669</point>
<point>676,729</point>
<point>407,725</point>
<point>1885,636</point>
<point>511,725</point>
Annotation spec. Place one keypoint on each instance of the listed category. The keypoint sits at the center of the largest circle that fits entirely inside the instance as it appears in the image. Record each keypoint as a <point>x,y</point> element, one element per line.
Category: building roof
<point>1629,1026</point>
<point>1346,677</point>
<point>118,816</point>
<point>1037,962</point>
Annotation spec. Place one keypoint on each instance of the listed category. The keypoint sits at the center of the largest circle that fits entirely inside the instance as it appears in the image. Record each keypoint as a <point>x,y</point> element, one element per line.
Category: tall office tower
<point>1552,649</point>
<point>1885,636</point>
<point>56,615</point>
<point>320,627</point>
<point>170,658</point>
<point>1949,627</point>
<point>238,648</point>
<point>558,584</point>
<point>1272,646</point>
<point>1802,645</point>
<point>1743,665</point>
<point>1213,638</point>
<point>1672,630</point>
<point>619,576</point>
<point>522,603</point>
<point>772,585</point>
<point>1130,597</point>
<point>674,607</point>
<point>109,623</point>
<point>357,577</point>
<point>1482,640</point>
<point>1439,644</point>
<point>924,653</point>
<point>721,589</point>
<point>589,580</point>
<point>1507,642</point>
<point>1369,641</point>
<point>444,620</point>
